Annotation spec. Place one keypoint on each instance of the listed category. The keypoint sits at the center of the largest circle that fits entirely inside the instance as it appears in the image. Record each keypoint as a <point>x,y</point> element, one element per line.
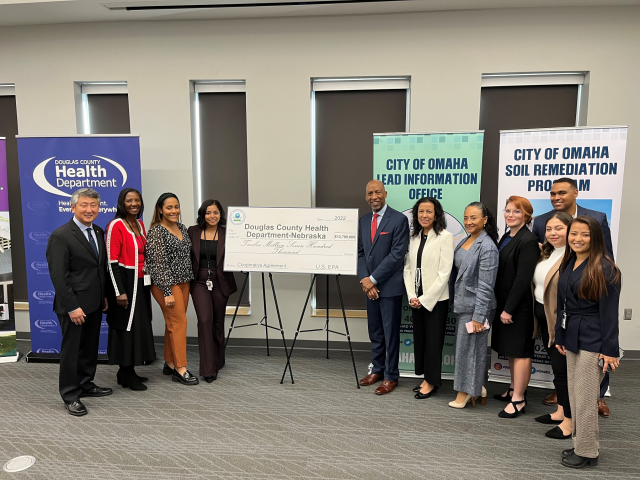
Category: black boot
<point>128,379</point>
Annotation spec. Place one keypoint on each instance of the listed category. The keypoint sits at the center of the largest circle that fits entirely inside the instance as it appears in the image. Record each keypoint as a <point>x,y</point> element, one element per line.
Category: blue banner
<point>51,169</point>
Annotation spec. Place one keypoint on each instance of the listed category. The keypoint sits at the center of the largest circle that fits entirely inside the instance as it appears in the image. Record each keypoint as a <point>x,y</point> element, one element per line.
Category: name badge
<point>209,285</point>
<point>147,280</point>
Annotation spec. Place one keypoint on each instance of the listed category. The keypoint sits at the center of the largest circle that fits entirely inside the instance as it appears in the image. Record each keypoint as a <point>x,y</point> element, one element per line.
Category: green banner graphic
<point>446,166</point>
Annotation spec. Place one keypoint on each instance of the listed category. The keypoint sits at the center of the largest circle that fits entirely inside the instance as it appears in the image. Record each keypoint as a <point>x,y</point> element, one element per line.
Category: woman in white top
<point>427,267</point>
<point>545,292</point>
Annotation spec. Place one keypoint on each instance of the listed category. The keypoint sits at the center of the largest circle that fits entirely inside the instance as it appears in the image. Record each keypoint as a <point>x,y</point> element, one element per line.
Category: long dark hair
<point>157,215</point>
<point>121,212</point>
<point>547,248</point>
<point>491,227</point>
<point>593,284</point>
<point>202,211</point>
<point>440,222</point>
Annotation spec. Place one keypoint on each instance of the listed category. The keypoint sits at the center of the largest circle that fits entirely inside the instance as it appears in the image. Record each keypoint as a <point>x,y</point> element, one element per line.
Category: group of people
<point>119,272</point>
<point>558,278</point>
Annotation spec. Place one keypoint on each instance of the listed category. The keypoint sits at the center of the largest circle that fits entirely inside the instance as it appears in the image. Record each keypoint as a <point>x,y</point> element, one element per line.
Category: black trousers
<point>428,339</point>
<point>210,309</point>
<point>558,362</point>
<point>78,355</point>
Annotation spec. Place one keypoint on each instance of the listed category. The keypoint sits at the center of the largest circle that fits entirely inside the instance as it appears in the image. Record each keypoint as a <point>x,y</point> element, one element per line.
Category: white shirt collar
<point>81,225</point>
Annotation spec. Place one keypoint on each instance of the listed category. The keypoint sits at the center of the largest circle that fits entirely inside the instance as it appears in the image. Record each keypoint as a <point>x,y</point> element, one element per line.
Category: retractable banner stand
<point>51,169</point>
<point>444,165</point>
<point>8,350</point>
<point>530,160</point>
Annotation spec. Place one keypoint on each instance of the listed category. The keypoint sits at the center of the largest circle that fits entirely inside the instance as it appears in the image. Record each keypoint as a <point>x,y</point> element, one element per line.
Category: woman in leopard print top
<point>169,263</point>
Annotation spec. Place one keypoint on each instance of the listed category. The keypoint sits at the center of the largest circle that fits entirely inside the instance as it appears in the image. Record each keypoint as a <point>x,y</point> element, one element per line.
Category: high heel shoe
<point>186,378</point>
<point>469,398</point>
<point>515,404</point>
<point>420,396</point>
<point>483,397</point>
<point>504,398</point>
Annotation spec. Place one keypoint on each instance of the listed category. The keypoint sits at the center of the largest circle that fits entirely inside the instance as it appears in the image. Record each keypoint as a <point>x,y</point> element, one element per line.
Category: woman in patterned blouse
<point>169,263</point>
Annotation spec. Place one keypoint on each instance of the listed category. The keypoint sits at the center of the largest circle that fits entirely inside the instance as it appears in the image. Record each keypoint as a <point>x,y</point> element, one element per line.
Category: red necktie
<point>374,226</point>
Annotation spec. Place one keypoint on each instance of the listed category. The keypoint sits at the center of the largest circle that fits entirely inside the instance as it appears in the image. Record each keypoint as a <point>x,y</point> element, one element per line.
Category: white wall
<point>445,53</point>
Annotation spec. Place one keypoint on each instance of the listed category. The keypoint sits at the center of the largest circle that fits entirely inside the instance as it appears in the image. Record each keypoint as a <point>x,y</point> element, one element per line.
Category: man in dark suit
<point>564,193</point>
<point>77,264</point>
<point>382,245</point>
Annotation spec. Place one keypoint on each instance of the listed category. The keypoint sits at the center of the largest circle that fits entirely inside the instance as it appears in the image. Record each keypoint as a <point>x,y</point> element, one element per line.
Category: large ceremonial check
<point>292,240</point>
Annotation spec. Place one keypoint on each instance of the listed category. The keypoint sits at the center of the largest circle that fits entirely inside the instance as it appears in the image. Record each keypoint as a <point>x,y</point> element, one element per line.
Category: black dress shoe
<point>567,452</point>
<point>77,409</point>
<point>420,396</point>
<point>185,379</point>
<point>557,433</point>
<point>547,420</point>
<point>417,388</point>
<point>576,461</point>
<point>211,378</point>
<point>167,370</point>
<point>96,392</point>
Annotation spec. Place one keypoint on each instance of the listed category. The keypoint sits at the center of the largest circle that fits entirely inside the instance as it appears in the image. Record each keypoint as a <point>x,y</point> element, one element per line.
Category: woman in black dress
<point>129,316</point>
<point>513,328</point>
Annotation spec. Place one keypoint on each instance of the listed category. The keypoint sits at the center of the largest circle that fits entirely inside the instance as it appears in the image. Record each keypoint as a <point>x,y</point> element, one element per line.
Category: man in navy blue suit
<point>564,194</point>
<point>382,245</point>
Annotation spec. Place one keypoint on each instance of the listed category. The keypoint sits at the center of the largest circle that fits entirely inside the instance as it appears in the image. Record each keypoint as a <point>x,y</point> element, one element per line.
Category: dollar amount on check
<point>292,240</point>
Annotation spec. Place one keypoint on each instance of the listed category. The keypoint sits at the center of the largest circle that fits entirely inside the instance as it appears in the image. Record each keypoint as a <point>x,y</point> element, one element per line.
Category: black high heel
<point>503,398</point>
<point>504,414</point>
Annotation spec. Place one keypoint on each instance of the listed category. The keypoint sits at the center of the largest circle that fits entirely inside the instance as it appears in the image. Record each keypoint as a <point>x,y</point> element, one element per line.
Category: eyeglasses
<point>515,212</point>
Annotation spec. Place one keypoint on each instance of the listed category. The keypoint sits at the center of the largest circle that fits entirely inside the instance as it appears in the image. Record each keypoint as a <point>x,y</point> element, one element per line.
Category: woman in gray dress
<point>473,277</point>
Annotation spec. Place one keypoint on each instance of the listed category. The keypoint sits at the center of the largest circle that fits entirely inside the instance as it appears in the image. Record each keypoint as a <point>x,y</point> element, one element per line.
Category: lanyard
<point>206,250</point>
<point>566,289</point>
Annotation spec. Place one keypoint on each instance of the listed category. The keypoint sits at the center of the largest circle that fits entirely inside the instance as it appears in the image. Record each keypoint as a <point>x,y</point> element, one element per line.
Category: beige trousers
<point>584,376</point>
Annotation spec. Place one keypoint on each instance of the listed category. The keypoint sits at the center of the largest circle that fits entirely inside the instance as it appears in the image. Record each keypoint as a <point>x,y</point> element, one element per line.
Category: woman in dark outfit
<point>212,286</point>
<point>587,331</point>
<point>130,333</point>
<point>513,328</point>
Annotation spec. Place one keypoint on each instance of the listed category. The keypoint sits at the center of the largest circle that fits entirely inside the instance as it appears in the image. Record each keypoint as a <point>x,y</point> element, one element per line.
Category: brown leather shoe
<point>551,399</point>
<point>603,408</point>
<point>371,379</point>
<point>386,386</point>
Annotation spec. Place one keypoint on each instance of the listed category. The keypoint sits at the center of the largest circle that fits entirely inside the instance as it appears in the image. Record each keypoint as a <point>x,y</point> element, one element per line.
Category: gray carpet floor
<point>246,425</point>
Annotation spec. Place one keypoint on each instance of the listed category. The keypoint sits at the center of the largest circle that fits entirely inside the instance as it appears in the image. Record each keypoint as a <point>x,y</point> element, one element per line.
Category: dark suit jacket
<point>517,263</point>
<point>539,224</point>
<point>384,258</point>
<point>79,278</point>
<point>226,279</point>
<point>591,325</point>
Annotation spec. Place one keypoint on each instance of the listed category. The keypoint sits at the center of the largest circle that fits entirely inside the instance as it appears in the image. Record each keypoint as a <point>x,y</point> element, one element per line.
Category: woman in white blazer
<point>427,267</point>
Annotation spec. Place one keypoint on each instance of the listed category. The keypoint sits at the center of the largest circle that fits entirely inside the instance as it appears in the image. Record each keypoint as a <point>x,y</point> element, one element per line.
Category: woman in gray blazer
<point>473,277</point>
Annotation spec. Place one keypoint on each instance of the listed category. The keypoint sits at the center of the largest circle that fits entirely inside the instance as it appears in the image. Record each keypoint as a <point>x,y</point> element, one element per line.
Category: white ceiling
<point>31,12</point>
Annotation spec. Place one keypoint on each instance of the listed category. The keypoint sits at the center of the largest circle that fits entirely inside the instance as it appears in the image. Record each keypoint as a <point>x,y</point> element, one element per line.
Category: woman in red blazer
<point>130,334</point>
<point>212,286</point>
